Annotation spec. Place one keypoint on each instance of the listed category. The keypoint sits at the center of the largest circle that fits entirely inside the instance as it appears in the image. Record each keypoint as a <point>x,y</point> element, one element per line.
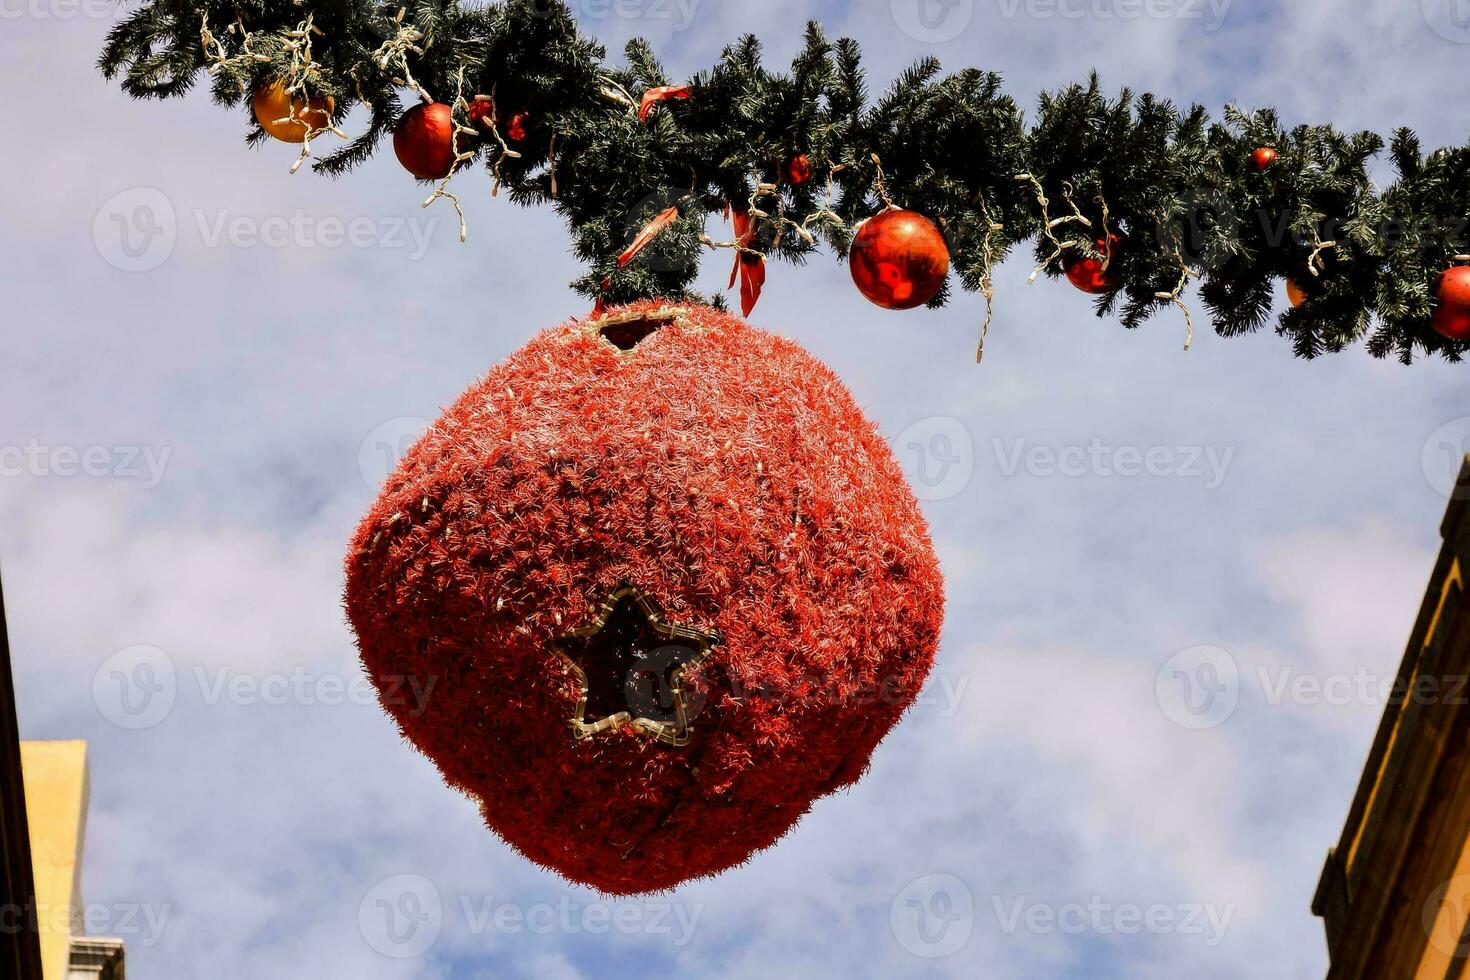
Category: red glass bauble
<point>1088,274</point>
<point>1263,157</point>
<point>899,259</point>
<point>424,141</point>
<point>799,170</point>
<point>1452,303</point>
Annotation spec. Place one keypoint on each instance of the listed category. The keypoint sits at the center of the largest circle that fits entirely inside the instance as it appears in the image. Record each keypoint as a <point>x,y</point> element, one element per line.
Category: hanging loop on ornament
<point>1049,224</point>
<point>880,184</point>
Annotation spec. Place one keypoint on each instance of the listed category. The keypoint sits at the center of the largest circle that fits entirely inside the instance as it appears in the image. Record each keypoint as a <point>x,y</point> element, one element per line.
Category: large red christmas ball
<point>1262,157</point>
<point>899,259</point>
<point>1088,274</point>
<point>424,140</point>
<point>664,585</point>
<point>1452,303</point>
<point>287,118</point>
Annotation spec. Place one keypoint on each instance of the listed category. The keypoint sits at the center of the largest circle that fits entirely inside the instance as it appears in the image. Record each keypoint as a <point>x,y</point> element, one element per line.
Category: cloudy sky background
<point>1018,824</point>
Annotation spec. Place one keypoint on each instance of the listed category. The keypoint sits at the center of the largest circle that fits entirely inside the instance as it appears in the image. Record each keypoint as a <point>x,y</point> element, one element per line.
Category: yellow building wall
<point>55,775</point>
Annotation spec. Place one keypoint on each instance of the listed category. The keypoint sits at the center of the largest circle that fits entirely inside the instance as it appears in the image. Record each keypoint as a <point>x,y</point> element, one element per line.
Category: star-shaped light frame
<point>699,643</point>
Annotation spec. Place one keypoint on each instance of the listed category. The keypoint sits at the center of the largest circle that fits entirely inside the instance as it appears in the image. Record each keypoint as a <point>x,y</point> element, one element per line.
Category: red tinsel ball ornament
<point>1088,274</point>
<point>799,170</point>
<point>899,259</point>
<point>424,140</point>
<point>1262,157</point>
<point>659,585</point>
<point>1452,303</point>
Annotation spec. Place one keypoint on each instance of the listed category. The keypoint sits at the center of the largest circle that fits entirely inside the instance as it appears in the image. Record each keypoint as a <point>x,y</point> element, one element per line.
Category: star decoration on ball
<point>629,664</point>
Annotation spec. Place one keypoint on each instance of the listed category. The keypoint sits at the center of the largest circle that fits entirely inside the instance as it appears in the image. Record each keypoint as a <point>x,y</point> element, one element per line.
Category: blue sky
<point>1051,793</point>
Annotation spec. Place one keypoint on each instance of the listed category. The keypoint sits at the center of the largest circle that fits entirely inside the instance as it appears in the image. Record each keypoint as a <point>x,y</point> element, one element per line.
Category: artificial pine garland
<point>1151,195</point>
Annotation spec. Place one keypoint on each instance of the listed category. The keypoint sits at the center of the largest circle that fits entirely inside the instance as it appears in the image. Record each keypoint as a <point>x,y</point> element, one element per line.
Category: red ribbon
<point>658,94</point>
<point>749,267</point>
<point>650,231</point>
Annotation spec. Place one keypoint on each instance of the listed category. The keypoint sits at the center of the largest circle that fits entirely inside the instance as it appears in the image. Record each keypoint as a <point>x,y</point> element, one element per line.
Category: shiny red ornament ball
<point>1262,157</point>
<point>481,109</point>
<point>899,259</point>
<point>424,141</point>
<point>516,128</point>
<point>657,510</point>
<point>799,170</point>
<point>1087,273</point>
<point>1451,317</point>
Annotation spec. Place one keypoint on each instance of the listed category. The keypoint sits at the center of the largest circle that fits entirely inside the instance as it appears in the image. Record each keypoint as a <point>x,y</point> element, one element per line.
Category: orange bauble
<point>424,141</point>
<point>899,259</point>
<point>1088,274</point>
<point>1452,304</point>
<point>1295,293</point>
<point>1263,157</point>
<point>289,119</point>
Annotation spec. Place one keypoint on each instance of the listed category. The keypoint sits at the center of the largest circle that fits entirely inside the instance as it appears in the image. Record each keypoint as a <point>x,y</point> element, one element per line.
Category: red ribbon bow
<point>749,267</point>
<point>658,94</point>
<point>650,231</point>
